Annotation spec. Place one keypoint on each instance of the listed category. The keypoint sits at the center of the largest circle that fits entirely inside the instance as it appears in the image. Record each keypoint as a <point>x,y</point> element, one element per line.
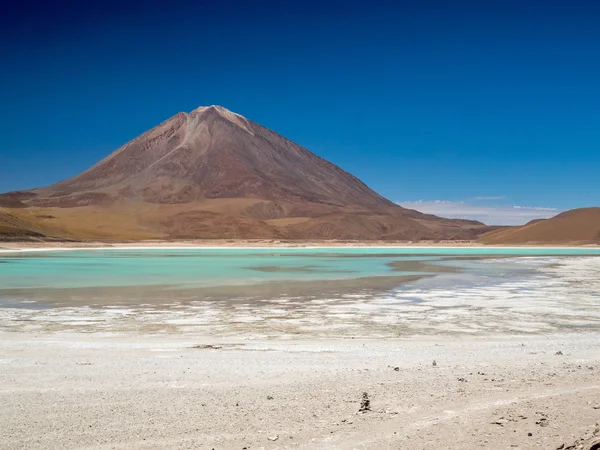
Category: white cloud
<point>490,214</point>
<point>492,197</point>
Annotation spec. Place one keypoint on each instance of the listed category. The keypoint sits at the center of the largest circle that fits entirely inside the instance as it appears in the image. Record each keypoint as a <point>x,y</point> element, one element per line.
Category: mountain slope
<point>213,173</point>
<point>212,153</point>
<point>577,226</point>
<point>13,228</point>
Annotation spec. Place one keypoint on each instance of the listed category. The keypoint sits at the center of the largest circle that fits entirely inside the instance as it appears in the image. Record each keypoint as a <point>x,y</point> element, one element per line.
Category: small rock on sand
<point>365,404</point>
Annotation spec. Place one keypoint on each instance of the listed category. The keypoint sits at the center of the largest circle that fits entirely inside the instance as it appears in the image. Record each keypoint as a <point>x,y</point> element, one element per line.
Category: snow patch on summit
<point>232,117</point>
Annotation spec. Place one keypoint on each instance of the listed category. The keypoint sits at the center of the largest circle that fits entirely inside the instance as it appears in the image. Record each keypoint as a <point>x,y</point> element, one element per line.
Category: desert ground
<point>148,392</point>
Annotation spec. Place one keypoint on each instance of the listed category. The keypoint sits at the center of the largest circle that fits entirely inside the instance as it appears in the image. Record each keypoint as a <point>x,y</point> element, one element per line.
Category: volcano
<point>212,173</point>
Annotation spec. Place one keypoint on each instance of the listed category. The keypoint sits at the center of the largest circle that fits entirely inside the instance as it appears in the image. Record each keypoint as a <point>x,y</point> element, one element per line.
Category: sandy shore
<point>109,391</point>
<point>220,243</point>
<point>257,243</point>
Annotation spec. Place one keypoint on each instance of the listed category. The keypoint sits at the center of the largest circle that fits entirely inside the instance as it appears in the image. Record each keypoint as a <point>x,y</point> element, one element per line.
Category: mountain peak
<point>235,118</point>
<point>204,108</point>
<point>218,108</point>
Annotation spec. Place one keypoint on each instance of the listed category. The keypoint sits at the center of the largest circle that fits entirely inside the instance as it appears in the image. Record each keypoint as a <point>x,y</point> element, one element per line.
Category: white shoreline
<point>308,247</point>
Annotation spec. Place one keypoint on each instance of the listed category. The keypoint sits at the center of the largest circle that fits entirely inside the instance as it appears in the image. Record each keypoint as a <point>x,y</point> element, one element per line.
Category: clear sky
<point>468,108</point>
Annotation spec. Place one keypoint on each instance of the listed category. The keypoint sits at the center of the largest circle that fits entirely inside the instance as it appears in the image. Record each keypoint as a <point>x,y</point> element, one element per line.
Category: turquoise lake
<point>187,268</point>
<point>343,292</point>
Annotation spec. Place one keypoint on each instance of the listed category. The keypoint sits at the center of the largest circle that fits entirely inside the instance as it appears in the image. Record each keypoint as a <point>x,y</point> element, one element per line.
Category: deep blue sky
<point>423,100</point>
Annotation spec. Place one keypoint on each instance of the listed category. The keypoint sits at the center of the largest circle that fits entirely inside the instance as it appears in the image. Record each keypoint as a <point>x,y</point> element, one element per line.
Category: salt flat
<point>88,391</point>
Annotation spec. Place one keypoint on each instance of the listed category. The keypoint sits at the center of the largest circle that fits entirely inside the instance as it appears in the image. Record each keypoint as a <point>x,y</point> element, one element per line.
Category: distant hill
<point>577,226</point>
<point>212,173</point>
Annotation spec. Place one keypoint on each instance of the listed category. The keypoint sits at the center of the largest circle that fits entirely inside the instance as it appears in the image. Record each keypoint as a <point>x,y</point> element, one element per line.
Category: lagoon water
<point>298,291</point>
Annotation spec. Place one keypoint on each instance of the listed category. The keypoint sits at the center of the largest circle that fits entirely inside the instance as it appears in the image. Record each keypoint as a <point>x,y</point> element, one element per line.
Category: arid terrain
<point>212,174</point>
<point>80,391</point>
<point>576,227</point>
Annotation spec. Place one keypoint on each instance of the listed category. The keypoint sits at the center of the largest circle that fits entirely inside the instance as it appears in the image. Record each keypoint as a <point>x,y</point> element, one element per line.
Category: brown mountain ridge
<point>212,173</point>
